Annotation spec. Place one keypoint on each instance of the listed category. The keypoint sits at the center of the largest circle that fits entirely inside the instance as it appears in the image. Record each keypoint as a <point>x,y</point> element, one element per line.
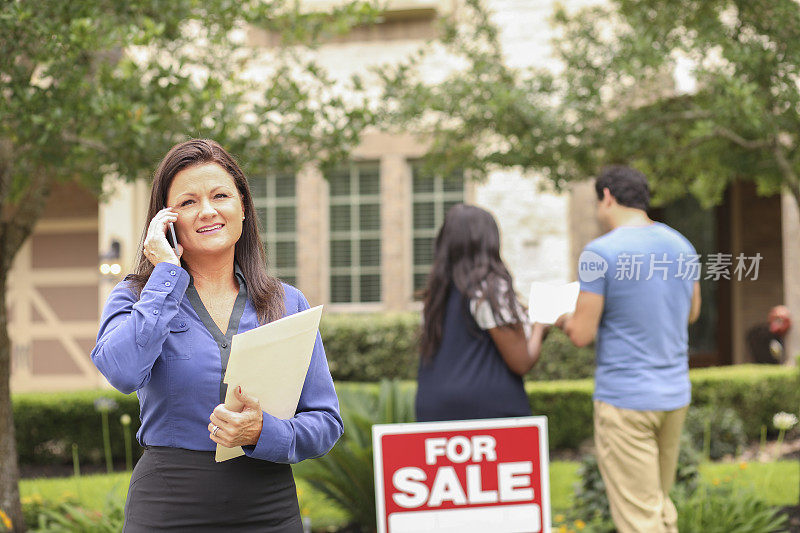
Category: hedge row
<point>385,346</point>
<point>755,392</point>
<point>371,347</point>
<point>48,424</point>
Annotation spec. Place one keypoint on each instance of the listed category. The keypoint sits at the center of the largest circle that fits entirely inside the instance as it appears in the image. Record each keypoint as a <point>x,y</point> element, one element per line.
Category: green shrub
<point>47,424</point>
<point>568,407</point>
<point>687,475</point>
<point>591,502</point>
<point>378,346</point>
<point>371,347</point>
<point>345,475</point>
<point>756,392</point>
<point>726,435</point>
<point>561,359</point>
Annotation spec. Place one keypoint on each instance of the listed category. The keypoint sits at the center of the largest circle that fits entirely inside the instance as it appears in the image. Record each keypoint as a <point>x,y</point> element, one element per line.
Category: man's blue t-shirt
<point>646,275</point>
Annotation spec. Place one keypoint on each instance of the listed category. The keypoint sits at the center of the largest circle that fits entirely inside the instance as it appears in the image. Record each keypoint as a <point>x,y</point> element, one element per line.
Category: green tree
<point>615,99</point>
<point>91,89</point>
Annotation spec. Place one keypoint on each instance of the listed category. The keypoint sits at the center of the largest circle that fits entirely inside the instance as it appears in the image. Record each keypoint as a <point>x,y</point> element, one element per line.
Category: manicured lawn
<point>776,482</point>
<point>563,476</point>
<point>90,491</point>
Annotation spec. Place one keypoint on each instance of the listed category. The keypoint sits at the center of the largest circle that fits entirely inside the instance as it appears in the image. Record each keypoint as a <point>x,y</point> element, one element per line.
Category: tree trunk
<point>9,471</point>
<point>12,237</point>
<point>17,219</point>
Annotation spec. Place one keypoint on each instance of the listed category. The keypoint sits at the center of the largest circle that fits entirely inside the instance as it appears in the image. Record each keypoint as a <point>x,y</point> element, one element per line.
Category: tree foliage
<point>615,99</point>
<point>92,88</point>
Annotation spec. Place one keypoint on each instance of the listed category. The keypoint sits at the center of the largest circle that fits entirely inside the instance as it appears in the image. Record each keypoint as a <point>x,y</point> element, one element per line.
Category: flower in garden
<point>105,405</point>
<point>784,421</point>
<point>715,482</point>
<point>562,529</point>
<point>743,465</point>
<point>6,520</point>
<point>580,524</point>
<point>559,518</point>
<point>125,419</point>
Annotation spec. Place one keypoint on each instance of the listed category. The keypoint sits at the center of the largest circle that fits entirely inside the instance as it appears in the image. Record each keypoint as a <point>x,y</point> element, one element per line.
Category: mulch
<point>793,512</point>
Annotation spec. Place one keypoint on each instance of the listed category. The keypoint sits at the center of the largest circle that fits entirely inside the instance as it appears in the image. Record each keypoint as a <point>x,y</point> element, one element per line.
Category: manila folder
<point>270,363</point>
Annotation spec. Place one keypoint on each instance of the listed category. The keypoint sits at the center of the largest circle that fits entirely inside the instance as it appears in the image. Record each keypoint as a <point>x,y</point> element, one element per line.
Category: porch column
<point>791,273</point>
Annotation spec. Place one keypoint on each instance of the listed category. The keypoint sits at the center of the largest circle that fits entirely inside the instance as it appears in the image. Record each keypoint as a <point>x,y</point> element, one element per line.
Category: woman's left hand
<point>542,329</point>
<point>237,428</point>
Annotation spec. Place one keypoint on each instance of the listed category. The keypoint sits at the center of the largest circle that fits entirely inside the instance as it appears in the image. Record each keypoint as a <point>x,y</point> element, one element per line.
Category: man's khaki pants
<point>637,452</point>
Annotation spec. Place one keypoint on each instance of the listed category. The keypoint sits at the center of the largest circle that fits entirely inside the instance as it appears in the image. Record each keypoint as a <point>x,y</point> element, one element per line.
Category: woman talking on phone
<point>166,333</point>
<point>476,343</point>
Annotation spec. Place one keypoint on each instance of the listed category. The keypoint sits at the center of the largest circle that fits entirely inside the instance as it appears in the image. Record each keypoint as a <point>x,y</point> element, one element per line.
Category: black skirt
<point>173,489</point>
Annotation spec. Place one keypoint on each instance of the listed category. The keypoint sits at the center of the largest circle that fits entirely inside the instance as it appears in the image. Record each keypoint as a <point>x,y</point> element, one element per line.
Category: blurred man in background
<point>638,294</point>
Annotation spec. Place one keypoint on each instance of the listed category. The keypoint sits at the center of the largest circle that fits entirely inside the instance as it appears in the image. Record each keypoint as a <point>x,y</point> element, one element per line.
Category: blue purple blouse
<point>164,346</point>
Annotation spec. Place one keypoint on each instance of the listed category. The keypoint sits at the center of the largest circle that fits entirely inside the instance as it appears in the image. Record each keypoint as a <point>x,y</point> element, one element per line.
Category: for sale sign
<point>465,476</point>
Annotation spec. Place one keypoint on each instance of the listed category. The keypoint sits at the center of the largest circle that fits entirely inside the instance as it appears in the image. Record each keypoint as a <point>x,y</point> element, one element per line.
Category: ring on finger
<point>214,431</point>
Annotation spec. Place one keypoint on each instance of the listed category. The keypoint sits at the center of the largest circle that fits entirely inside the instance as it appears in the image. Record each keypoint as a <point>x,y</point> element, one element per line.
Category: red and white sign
<point>463,476</point>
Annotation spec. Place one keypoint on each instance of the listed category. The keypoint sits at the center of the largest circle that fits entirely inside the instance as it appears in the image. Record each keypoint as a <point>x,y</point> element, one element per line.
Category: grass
<point>563,475</point>
<point>776,482</point>
<point>90,491</point>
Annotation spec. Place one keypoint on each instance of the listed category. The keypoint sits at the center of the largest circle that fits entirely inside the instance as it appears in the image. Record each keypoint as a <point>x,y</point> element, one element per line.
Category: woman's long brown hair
<point>264,291</point>
<point>466,257</point>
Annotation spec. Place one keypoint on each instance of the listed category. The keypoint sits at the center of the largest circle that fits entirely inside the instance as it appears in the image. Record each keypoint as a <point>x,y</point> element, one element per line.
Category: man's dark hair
<point>628,186</point>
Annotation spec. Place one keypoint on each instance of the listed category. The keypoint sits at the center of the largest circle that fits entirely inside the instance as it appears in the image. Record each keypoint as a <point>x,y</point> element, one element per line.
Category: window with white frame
<point>432,196</point>
<point>275,200</point>
<point>355,234</point>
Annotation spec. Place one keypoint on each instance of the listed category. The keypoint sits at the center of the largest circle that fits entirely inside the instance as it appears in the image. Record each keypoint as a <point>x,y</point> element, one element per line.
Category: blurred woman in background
<point>476,342</point>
